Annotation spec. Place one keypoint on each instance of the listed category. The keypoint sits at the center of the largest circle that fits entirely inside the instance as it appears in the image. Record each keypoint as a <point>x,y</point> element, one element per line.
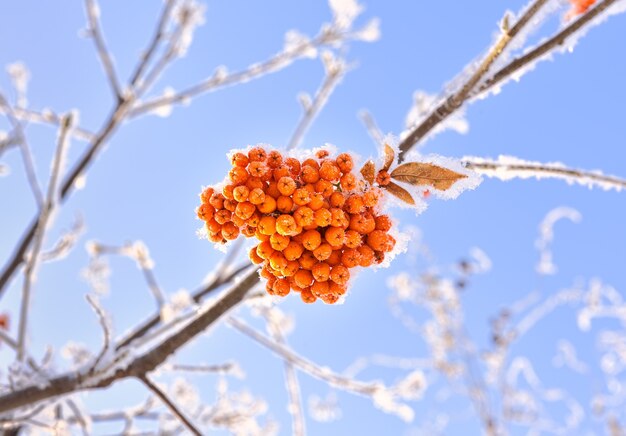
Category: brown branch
<point>142,365</point>
<point>170,405</point>
<point>93,11</point>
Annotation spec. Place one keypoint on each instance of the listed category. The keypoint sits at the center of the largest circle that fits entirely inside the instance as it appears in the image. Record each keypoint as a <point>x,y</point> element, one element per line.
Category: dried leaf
<point>390,157</point>
<point>400,192</point>
<point>368,171</point>
<point>419,173</point>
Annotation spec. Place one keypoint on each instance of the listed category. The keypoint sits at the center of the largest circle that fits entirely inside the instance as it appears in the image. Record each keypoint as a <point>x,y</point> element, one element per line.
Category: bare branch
<point>331,80</point>
<point>66,242</point>
<point>46,116</point>
<point>106,330</point>
<point>49,205</point>
<point>506,168</point>
<point>93,19</point>
<point>372,128</point>
<point>170,405</point>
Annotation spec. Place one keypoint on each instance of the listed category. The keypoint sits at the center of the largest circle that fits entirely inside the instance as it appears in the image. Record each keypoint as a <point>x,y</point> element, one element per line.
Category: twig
<point>66,242</point>
<point>106,331</point>
<point>49,205</point>
<point>505,170</point>
<point>545,47</point>
<point>46,117</point>
<point>170,405</point>
<point>78,416</point>
<point>222,369</point>
<point>144,364</point>
<point>372,128</point>
<point>27,156</point>
<point>456,100</point>
<point>331,80</point>
<point>273,64</point>
<point>93,18</point>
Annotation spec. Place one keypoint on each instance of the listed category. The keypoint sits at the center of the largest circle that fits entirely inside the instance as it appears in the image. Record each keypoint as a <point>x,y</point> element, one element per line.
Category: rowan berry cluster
<point>315,220</point>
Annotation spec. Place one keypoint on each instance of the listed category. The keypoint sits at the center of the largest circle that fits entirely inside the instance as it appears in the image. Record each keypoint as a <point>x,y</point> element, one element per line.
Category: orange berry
<point>303,278</point>
<point>260,236</point>
<point>325,188</point>
<point>378,241</point>
<point>272,190</point>
<point>340,275</point>
<point>294,166</point>
<point>230,231</point>
<point>205,195</point>
<point>248,231</point>
<point>337,199</point>
<point>319,288</point>
<point>254,183</point>
<point>256,196</point>
<point>307,296</point>
<point>258,170</point>
<point>379,257</point>
<point>363,223</point>
<point>309,174</point>
<point>348,182</point>
<point>268,205</point>
<point>323,252</point>
<point>329,298</point>
<point>286,185</point>
<point>323,217</point>
<point>227,191</point>
<point>304,216</point>
<point>372,196</point>
<point>217,200</point>
<point>240,193</point>
<point>353,239</point>
<point>344,162</point>
<point>337,289</point>
<point>267,225</point>
<point>339,217</point>
<point>307,260</point>
<point>350,258</point>
<point>281,287</point>
<point>354,204</point>
<point>205,211</point>
<point>284,204</point>
<point>317,201</point>
<point>367,256</point>
<point>257,154</point>
<point>277,260</point>
<point>383,222</point>
<point>245,210</point>
<point>321,272</point>
<point>321,154</point>
<point>213,226</point>
<point>311,163</point>
<point>280,172</point>
<point>301,196</point>
<point>253,221</point>
<point>293,250</point>
<point>329,171</point>
<point>254,257</point>
<point>292,267</point>
<point>335,236</point>
<point>286,225</point>
<point>383,178</point>
<point>238,175</point>
<point>239,222</point>
<point>311,239</point>
<point>240,160</point>
<point>217,238</point>
<point>279,242</point>
<point>222,216</point>
<point>335,258</point>
<point>274,159</point>
<point>264,250</point>
<point>230,205</point>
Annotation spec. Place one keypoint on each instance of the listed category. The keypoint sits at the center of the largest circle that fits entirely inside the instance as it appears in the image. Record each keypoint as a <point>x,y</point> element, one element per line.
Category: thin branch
<point>372,128</point>
<point>456,100</point>
<point>49,205</point>
<point>217,81</point>
<point>506,168</point>
<point>66,242</point>
<point>106,331</point>
<point>144,364</point>
<point>170,405</point>
<point>46,117</point>
<point>547,46</point>
<point>93,18</point>
<point>27,156</point>
<point>78,416</point>
<point>331,80</point>
<point>209,369</point>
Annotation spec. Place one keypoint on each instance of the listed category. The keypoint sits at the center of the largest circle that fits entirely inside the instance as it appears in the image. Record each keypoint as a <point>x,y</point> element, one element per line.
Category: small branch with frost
<point>51,201</point>
<point>66,242</point>
<point>106,330</point>
<point>170,405</point>
<point>334,74</point>
<point>95,31</point>
<point>45,116</point>
<point>372,128</point>
<point>508,167</point>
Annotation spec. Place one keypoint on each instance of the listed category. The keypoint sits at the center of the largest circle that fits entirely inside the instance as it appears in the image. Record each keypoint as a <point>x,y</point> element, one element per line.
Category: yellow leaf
<point>390,157</point>
<point>368,171</point>
<point>419,173</point>
<point>400,192</point>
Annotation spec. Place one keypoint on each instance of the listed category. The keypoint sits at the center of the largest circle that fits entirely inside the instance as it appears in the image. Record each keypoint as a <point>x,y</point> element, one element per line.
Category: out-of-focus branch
<point>94,28</point>
<point>65,243</point>
<point>372,128</point>
<point>49,205</point>
<point>170,405</point>
<point>507,168</point>
<point>333,76</point>
<point>46,116</point>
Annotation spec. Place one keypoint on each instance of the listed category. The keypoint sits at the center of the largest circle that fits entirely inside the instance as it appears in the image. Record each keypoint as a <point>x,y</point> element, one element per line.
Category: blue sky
<point>145,184</point>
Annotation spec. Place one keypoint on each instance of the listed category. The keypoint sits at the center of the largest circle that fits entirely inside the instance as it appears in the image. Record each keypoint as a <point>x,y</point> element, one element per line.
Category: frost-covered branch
<point>51,201</point>
<point>47,117</point>
<point>508,168</point>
